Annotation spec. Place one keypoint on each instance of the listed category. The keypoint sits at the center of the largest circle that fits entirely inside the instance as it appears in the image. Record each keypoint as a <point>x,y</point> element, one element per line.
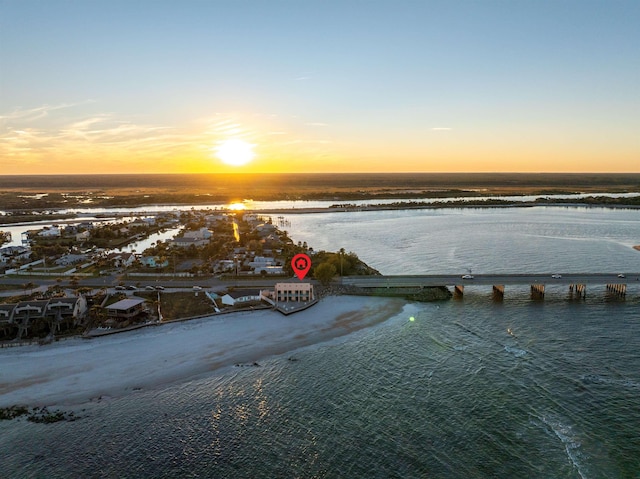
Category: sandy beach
<point>79,371</point>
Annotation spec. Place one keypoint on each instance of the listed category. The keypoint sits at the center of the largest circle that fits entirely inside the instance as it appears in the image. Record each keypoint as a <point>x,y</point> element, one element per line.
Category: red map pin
<point>301,265</point>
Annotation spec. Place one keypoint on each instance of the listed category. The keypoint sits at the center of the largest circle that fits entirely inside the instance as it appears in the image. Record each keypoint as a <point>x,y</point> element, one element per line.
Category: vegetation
<point>181,305</point>
<point>38,415</point>
<point>324,273</point>
<point>66,191</point>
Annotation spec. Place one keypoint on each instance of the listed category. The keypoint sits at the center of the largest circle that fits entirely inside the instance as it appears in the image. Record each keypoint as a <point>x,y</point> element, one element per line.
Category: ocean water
<point>470,388</point>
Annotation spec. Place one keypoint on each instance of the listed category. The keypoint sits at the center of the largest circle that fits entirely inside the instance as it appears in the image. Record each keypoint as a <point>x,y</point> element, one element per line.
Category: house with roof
<point>126,309</point>
<point>154,262</point>
<point>9,254</point>
<point>50,232</point>
<point>241,296</point>
<point>70,258</point>
<point>202,233</point>
<point>54,312</point>
<point>185,242</point>
<point>121,260</point>
<point>83,236</point>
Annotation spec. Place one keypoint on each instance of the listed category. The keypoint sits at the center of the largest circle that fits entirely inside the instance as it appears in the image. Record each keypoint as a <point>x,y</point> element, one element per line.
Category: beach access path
<point>81,371</point>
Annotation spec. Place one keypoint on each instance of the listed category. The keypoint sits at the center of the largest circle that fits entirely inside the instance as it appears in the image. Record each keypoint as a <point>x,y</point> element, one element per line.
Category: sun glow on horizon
<point>235,152</point>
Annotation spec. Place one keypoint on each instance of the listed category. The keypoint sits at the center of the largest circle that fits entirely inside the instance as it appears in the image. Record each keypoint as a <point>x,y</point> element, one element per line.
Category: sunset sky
<point>319,86</point>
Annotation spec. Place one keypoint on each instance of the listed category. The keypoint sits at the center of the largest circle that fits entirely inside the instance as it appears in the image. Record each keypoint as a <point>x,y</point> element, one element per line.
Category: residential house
<point>69,259</point>
<point>61,309</point>
<point>184,242</point>
<point>265,230</point>
<point>126,309</point>
<point>9,254</point>
<point>54,311</point>
<point>154,262</point>
<point>50,232</point>
<point>121,260</point>
<point>239,297</point>
<point>83,236</point>
<point>202,233</point>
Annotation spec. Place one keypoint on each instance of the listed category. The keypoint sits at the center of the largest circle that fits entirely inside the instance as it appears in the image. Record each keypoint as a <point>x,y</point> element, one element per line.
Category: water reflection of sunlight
<point>236,206</point>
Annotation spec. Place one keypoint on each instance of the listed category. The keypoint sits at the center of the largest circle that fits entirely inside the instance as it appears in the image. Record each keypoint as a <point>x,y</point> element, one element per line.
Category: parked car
<point>149,288</point>
<point>131,287</point>
<point>197,288</point>
<point>621,275</point>
<point>160,288</point>
<point>120,288</point>
<point>556,276</point>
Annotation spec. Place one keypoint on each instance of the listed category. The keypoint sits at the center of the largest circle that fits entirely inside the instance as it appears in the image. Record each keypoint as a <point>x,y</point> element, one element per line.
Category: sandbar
<point>81,371</point>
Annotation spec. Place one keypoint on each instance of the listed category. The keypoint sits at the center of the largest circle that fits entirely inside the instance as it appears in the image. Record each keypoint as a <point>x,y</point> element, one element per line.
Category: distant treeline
<point>337,181</point>
<point>65,191</point>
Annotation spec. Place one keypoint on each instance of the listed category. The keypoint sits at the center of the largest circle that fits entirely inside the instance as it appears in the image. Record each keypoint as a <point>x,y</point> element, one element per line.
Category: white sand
<point>79,370</point>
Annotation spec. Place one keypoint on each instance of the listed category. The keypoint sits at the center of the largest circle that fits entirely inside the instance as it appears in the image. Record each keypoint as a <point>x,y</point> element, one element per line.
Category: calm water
<point>470,388</point>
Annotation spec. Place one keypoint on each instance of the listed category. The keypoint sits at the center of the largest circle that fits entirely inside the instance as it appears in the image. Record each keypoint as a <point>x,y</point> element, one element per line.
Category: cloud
<point>31,114</point>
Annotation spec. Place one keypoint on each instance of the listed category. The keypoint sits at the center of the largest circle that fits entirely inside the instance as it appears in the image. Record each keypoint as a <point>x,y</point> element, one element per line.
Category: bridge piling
<point>579,289</point>
<point>537,291</point>
<point>617,289</point>
<point>458,291</point>
<point>498,292</point>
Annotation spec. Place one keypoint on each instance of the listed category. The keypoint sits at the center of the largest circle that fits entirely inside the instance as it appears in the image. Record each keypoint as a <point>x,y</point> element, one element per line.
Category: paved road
<point>488,279</point>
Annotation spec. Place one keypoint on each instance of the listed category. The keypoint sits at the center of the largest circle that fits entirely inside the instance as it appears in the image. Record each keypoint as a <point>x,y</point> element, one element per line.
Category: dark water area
<point>468,388</point>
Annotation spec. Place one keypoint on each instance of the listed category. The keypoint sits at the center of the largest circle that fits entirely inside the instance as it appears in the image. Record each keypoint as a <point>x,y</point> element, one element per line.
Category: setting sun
<point>235,152</point>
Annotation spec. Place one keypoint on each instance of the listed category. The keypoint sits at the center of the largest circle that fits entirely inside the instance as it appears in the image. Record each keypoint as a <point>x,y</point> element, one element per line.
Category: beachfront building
<point>301,292</point>
<point>126,309</point>
<point>37,313</point>
<point>243,296</point>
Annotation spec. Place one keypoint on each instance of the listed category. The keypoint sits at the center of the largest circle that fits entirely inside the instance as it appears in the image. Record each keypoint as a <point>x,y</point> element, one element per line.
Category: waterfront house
<point>50,232</point>
<point>241,296</point>
<point>10,254</point>
<point>301,292</point>
<point>201,234</point>
<point>121,260</point>
<point>126,309</point>
<point>183,242</point>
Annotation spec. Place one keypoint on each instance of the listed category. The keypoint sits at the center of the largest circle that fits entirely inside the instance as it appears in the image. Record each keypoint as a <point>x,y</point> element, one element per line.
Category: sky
<point>93,86</point>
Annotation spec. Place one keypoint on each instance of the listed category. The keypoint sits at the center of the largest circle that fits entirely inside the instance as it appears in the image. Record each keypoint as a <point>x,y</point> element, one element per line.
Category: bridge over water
<point>614,283</point>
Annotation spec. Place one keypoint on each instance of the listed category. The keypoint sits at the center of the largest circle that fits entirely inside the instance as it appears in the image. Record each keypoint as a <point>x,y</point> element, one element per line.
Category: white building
<point>301,292</point>
<point>50,232</point>
<point>202,233</point>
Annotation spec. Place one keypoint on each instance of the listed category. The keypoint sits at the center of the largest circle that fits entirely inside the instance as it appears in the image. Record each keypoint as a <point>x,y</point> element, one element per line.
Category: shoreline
<point>80,371</point>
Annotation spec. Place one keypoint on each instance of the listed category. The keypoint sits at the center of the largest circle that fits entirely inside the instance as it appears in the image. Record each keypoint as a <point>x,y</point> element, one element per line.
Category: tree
<point>324,273</point>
